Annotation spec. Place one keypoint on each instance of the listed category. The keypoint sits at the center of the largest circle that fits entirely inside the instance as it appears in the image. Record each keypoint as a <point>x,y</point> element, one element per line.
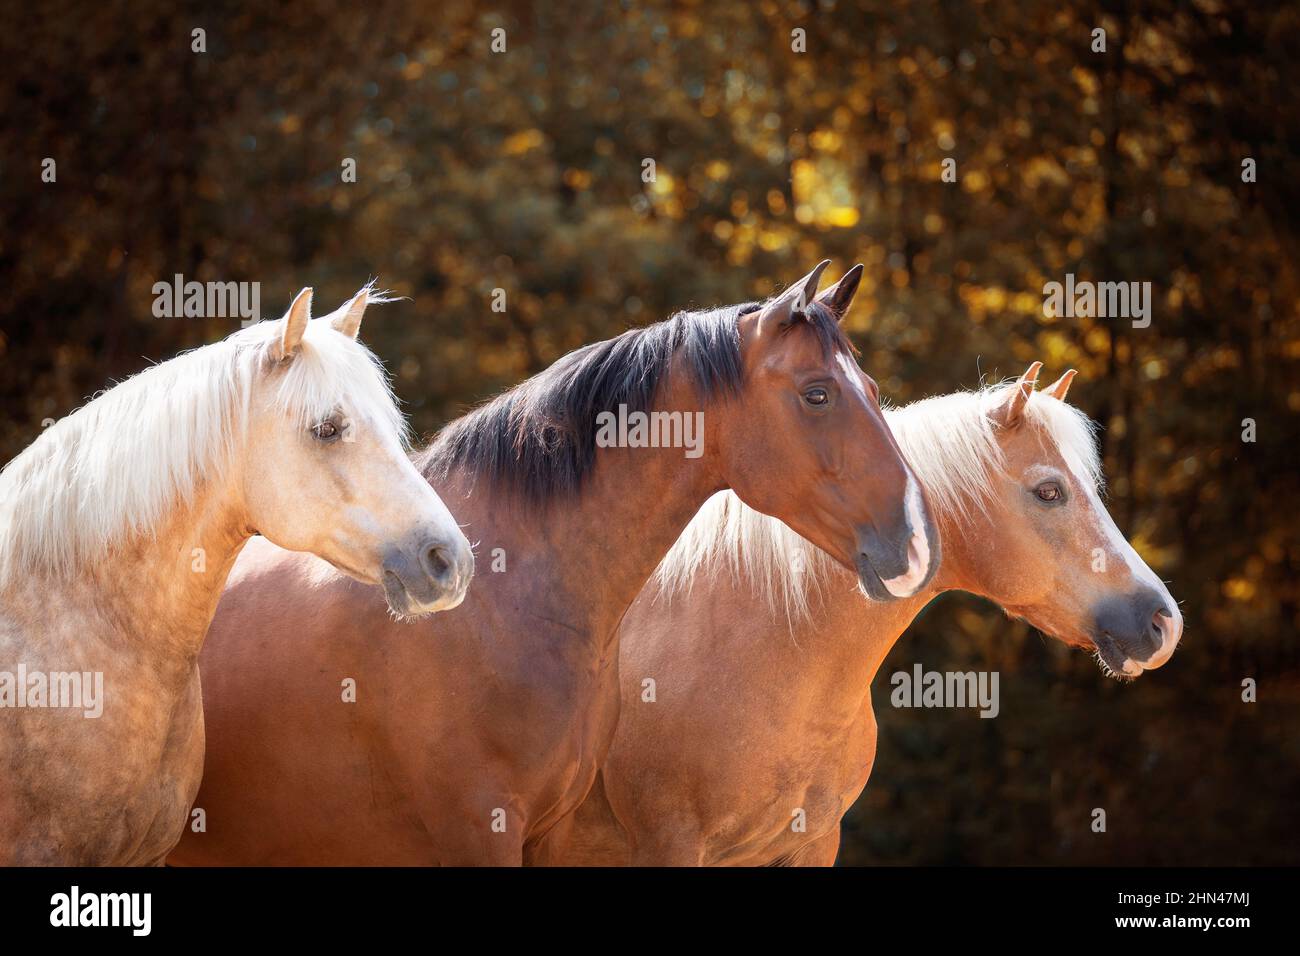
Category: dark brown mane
<point>539,438</point>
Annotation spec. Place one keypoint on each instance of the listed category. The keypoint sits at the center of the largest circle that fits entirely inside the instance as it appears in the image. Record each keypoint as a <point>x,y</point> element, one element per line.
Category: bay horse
<point>474,735</point>
<point>118,527</point>
<point>763,654</point>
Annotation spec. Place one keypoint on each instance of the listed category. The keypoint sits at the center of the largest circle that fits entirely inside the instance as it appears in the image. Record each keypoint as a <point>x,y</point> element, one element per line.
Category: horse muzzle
<point>1137,633</point>
<point>901,567</point>
<point>430,576</point>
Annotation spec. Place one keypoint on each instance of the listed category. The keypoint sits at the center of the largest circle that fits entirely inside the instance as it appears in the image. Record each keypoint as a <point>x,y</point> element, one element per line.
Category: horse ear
<point>1011,412</point>
<point>348,319</point>
<point>294,325</point>
<point>839,297</point>
<point>791,303</point>
<point>1062,385</point>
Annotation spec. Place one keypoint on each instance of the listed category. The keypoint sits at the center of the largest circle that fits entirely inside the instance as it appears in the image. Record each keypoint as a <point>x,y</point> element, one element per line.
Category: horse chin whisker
<point>407,616</point>
<point>1110,672</point>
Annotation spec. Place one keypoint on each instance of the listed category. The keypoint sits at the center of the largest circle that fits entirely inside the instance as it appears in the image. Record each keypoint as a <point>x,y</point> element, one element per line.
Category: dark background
<point>522,171</point>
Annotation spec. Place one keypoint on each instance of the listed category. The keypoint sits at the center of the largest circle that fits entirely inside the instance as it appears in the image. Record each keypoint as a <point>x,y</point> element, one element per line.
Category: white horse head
<point>293,421</point>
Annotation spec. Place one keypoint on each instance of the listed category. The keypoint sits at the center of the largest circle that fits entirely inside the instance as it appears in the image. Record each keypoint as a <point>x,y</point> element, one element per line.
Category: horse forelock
<point>830,333</point>
<point>332,372</point>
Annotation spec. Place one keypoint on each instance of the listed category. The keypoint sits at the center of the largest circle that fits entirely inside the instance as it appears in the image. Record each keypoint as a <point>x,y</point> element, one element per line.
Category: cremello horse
<point>762,654</point>
<point>474,735</point>
<point>118,527</point>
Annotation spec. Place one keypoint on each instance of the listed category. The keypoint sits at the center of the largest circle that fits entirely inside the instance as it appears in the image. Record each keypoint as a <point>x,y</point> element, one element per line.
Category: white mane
<point>112,469</point>
<point>950,443</point>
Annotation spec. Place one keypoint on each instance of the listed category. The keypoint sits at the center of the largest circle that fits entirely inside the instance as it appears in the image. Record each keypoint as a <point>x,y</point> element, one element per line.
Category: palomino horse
<point>763,656</point>
<point>118,527</point>
<point>474,734</point>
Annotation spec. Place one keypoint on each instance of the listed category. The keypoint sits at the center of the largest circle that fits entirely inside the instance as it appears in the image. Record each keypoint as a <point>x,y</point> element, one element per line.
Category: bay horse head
<point>326,468</point>
<point>1053,554</point>
<point>807,442</point>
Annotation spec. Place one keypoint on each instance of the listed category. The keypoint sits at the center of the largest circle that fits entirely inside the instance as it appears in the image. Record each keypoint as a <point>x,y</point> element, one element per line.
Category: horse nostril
<point>1167,628</point>
<point>1162,624</point>
<point>438,564</point>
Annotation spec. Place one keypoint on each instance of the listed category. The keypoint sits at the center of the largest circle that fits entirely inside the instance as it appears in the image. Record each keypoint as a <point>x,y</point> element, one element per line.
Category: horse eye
<point>1048,491</point>
<point>326,431</point>
<point>816,396</point>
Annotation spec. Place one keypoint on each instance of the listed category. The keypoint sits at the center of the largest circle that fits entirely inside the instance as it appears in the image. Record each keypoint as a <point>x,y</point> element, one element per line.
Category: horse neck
<point>639,503</point>
<point>967,546</point>
<point>585,559</point>
<point>160,589</point>
<point>840,646</point>
<point>849,636</point>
